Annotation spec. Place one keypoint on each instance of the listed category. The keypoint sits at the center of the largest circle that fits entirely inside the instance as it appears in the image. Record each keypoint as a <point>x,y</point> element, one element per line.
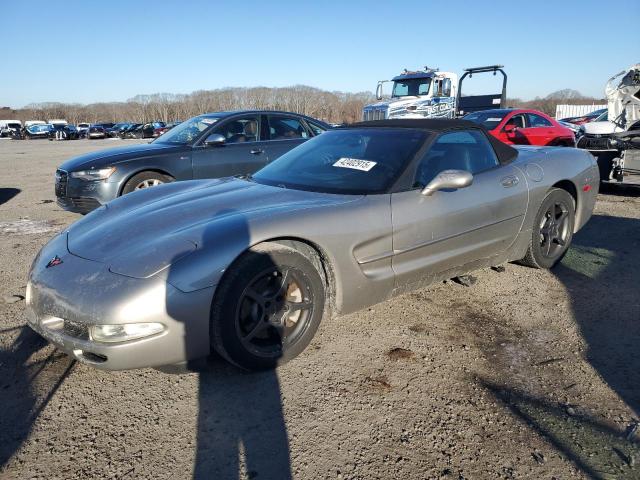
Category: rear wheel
<point>552,230</point>
<point>145,180</point>
<point>267,307</point>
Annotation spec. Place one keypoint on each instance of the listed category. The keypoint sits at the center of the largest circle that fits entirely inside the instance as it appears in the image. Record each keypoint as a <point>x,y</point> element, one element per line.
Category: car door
<point>517,135</point>
<point>243,151</point>
<point>540,130</point>
<point>284,132</point>
<point>452,228</point>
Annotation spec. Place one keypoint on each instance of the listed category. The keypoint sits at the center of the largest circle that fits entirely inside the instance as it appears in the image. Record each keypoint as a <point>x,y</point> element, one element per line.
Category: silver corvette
<point>248,267</point>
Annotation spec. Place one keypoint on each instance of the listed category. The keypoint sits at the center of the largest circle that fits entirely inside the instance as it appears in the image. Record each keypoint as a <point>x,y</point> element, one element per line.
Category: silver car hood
<point>143,232</point>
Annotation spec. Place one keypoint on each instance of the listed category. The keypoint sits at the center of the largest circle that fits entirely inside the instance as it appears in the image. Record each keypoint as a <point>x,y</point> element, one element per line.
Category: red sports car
<point>523,127</point>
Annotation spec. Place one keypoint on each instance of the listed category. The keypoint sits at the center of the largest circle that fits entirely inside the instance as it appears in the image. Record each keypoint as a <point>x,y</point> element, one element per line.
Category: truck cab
<point>420,94</point>
<point>430,93</point>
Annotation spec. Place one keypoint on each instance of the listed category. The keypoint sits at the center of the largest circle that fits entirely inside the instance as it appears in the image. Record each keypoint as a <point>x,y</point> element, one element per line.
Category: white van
<point>6,126</point>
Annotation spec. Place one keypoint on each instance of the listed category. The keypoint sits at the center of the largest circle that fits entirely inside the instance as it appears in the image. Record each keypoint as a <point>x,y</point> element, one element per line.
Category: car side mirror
<point>510,128</point>
<point>448,179</point>
<point>215,140</point>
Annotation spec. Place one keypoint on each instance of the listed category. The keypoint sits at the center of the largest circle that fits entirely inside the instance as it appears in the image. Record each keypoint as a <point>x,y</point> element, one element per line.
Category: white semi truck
<point>614,139</point>
<point>430,93</point>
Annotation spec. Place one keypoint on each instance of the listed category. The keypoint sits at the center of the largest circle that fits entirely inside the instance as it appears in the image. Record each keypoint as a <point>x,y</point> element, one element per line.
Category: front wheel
<point>145,180</point>
<point>268,306</point>
<point>552,230</point>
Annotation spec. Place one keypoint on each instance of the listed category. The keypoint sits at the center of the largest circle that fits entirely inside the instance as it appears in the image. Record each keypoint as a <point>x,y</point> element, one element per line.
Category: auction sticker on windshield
<point>355,163</point>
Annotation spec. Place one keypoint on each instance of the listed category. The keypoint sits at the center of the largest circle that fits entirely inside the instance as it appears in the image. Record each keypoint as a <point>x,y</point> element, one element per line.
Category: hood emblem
<point>55,261</point>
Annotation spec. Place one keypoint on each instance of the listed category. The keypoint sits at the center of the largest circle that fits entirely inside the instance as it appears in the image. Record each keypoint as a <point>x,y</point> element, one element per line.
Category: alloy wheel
<point>274,311</point>
<point>554,230</point>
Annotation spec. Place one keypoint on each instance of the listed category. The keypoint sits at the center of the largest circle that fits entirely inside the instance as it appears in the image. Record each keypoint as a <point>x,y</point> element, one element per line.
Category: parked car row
<point>61,130</point>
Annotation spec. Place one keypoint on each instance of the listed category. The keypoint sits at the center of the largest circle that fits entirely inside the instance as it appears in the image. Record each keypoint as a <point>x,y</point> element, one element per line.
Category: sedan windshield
<point>350,161</point>
<point>188,131</point>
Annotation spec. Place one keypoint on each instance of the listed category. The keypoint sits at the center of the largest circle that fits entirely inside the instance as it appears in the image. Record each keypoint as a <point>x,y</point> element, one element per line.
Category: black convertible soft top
<point>505,153</point>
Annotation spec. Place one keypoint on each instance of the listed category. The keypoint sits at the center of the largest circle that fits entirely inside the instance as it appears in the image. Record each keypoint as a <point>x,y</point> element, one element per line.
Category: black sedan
<point>96,131</point>
<point>63,132</point>
<point>213,145</point>
<point>126,131</point>
<point>117,129</point>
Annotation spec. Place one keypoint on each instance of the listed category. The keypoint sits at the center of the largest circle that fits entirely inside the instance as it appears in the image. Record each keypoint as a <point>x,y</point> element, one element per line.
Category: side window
<point>437,88</point>
<point>315,128</point>
<point>286,128</point>
<point>468,150</point>
<point>517,120</point>
<point>446,87</point>
<point>240,130</point>
<point>538,121</point>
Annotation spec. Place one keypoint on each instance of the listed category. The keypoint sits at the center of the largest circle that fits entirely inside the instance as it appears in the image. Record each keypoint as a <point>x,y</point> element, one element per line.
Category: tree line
<point>336,107</point>
<point>333,107</point>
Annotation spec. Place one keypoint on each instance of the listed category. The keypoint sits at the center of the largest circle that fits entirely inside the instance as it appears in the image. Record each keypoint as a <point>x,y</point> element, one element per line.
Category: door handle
<point>256,151</point>
<point>509,181</point>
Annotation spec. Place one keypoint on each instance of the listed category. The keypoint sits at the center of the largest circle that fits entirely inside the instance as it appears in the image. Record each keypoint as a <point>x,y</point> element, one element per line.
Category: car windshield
<point>489,120</point>
<point>188,131</point>
<point>603,117</point>
<point>411,87</point>
<point>350,161</point>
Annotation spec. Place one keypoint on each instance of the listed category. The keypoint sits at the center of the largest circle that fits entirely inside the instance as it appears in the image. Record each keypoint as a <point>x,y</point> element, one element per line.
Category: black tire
<point>149,178</point>
<point>268,306</point>
<point>552,230</point>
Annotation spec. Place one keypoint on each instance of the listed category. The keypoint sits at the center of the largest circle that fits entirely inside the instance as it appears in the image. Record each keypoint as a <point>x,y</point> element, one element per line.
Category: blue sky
<point>83,52</point>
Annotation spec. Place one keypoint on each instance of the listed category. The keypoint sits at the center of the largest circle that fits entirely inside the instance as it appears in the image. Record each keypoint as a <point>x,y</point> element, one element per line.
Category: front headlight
<point>124,332</point>
<point>99,174</point>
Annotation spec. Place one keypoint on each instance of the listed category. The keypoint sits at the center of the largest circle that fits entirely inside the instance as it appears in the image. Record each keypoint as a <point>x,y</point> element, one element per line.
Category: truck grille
<point>61,183</point>
<point>374,114</point>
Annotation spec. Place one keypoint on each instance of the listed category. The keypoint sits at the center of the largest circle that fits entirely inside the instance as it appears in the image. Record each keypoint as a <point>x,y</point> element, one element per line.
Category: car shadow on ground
<point>21,402</point>
<point>598,449</point>
<point>620,190</point>
<point>7,194</point>
<point>601,276</point>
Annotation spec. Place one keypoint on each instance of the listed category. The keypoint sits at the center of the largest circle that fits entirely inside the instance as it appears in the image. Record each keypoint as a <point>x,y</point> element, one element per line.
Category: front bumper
<point>66,299</point>
<point>79,196</point>
<point>595,143</point>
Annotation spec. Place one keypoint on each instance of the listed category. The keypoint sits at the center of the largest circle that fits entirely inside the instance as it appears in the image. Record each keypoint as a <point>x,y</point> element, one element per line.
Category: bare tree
<point>335,107</point>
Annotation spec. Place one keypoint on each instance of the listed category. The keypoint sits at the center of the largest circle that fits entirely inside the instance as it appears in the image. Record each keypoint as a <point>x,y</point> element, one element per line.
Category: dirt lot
<point>526,374</point>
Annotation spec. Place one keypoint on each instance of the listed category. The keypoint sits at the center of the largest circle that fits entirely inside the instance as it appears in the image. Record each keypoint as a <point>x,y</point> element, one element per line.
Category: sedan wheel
<point>151,182</point>
<point>145,180</point>
<point>552,230</point>
<point>268,306</point>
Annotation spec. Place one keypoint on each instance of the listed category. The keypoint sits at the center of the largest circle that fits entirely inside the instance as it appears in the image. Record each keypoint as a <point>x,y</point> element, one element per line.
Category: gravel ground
<point>525,374</point>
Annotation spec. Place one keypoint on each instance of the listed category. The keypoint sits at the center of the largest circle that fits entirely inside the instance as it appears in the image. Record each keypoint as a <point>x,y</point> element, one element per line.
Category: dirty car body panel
<point>158,255</point>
